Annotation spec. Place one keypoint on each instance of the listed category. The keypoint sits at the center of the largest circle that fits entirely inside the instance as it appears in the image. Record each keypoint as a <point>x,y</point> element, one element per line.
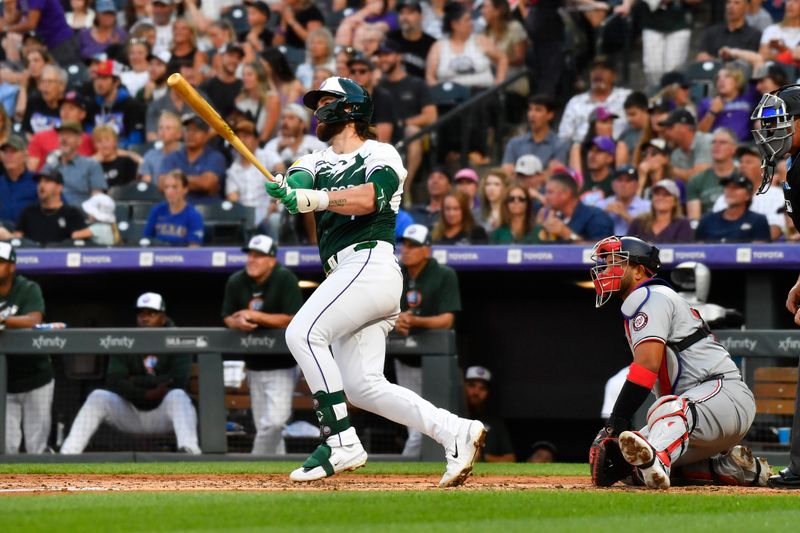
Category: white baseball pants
<point>175,412</point>
<point>663,52</point>
<point>29,414</point>
<point>410,377</point>
<point>271,394</point>
<point>339,340</point>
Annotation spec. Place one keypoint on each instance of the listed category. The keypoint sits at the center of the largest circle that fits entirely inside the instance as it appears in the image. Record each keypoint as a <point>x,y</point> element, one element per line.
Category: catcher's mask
<point>775,115</point>
<point>612,256</point>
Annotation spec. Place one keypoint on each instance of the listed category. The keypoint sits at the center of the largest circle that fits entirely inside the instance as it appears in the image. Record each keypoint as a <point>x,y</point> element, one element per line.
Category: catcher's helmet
<point>353,102</point>
<point>612,255</point>
<point>776,113</point>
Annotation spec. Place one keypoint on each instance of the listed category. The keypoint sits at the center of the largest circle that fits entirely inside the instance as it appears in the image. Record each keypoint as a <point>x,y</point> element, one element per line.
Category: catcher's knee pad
<point>668,421</point>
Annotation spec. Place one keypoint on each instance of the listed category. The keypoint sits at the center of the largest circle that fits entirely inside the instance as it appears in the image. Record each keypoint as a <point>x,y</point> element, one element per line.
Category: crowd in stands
<point>97,150</point>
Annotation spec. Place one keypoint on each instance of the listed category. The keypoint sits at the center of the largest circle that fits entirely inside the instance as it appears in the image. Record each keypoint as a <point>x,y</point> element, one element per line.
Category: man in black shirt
<point>412,104</point>
<point>413,42</point>
<point>778,114</point>
<point>223,88</point>
<point>733,33</point>
<point>41,112</point>
<point>362,71</point>
<point>265,294</point>
<point>296,19</point>
<point>51,220</point>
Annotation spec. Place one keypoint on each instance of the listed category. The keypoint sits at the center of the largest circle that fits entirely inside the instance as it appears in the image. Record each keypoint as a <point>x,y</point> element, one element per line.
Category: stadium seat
<point>22,242</point>
<point>131,232</point>
<point>238,17</point>
<point>449,94</point>
<point>77,75</point>
<point>294,56</point>
<point>140,212</point>
<point>122,212</point>
<point>226,222</point>
<point>703,71</point>
<point>137,192</point>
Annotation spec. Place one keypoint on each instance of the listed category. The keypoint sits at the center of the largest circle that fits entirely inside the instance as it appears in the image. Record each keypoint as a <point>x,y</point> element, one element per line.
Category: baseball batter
<point>338,337</point>
<point>703,408</point>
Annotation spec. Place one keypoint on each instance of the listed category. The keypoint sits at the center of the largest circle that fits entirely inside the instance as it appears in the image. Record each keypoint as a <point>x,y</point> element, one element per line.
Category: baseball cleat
<point>327,461</point>
<point>469,441</point>
<point>785,479</point>
<point>743,456</point>
<point>638,452</point>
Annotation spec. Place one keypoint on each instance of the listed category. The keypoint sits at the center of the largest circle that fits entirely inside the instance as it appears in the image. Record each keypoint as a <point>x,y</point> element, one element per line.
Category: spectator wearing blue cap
<point>624,205</point>
<point>104,31</point>
<point>736,223</point>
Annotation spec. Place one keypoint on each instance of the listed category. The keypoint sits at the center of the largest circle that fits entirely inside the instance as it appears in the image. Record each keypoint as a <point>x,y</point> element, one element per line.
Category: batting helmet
<point>353,102</point>
<point>612,255</point>
<point>776,113</point>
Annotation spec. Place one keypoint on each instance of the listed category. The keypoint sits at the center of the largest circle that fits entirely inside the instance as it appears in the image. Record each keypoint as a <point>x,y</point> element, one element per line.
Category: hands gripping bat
<point>204,110</point>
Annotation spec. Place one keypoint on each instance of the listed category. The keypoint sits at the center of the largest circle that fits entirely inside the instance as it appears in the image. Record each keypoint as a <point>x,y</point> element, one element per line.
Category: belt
<point>333,261</point>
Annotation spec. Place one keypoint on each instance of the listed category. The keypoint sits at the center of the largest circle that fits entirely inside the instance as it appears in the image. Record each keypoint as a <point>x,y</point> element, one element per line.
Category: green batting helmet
<point>348,94</point>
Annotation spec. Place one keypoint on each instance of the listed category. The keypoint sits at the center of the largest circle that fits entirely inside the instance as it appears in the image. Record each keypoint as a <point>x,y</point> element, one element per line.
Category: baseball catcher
<point>703,408</point>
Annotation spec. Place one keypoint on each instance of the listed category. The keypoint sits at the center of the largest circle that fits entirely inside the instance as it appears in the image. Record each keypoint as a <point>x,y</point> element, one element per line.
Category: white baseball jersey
<point>655,312</point>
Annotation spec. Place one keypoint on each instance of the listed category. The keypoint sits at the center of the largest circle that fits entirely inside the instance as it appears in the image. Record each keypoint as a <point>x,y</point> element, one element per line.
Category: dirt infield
<point>17,484</point>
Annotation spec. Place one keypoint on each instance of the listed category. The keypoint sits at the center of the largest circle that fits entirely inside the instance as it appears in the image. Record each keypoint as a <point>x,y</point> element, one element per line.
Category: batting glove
<point>305,201</point>
<point>278,188</point>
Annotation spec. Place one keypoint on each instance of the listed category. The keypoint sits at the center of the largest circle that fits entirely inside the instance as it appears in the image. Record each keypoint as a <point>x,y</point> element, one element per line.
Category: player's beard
<point>326,132</point>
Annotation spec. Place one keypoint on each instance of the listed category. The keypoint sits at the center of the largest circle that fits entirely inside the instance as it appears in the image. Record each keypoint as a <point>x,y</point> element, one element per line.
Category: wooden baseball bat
<point>204,110</point>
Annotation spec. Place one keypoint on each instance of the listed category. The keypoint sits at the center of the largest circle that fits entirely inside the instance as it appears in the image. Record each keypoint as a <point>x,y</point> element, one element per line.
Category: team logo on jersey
<point>414,299</point>
<point>256,304</point>
<point>639,321</point>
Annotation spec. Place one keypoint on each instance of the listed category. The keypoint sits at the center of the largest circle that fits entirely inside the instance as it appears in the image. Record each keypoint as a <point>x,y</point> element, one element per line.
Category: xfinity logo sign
<point>252,341</point>
<point>734,345</point>
<point>42,342</point>
<point>116,342</point>
<point>789,344</point>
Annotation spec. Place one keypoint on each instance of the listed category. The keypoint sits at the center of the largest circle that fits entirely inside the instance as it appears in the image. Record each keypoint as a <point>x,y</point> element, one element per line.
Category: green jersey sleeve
<point>386,182</point>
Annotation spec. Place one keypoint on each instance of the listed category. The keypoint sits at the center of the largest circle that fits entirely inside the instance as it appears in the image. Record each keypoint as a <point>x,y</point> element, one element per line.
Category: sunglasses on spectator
<point>514,198</point>
<point>652,151</point>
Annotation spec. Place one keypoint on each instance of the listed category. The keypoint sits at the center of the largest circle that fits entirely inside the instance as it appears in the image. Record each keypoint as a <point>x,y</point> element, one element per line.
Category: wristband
<point>642,376</point>
<point>324,200</point>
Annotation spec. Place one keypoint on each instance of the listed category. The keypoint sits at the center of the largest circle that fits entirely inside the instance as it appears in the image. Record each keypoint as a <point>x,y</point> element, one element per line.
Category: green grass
<point>384,511</point>
<point>399,511</point>
<point>222,467</point>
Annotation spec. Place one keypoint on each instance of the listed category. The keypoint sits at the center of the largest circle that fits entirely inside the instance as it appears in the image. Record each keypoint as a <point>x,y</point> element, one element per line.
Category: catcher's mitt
<point>605,460</point>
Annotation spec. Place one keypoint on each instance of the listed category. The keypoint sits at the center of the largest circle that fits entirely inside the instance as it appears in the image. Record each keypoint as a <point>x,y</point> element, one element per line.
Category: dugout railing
<point>441,383</point>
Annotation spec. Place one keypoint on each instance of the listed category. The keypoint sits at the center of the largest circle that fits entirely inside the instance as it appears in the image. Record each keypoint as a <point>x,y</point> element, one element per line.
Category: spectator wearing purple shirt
<point>104,31</point>
<point>47,19</point>
<point>731,107</point>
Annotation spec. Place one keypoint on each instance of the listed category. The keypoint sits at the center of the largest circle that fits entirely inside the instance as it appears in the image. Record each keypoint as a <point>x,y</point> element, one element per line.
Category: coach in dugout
<point>430,300</point>
<point>30,377</point>
<point>265,294</point>
<point>144,393</point>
